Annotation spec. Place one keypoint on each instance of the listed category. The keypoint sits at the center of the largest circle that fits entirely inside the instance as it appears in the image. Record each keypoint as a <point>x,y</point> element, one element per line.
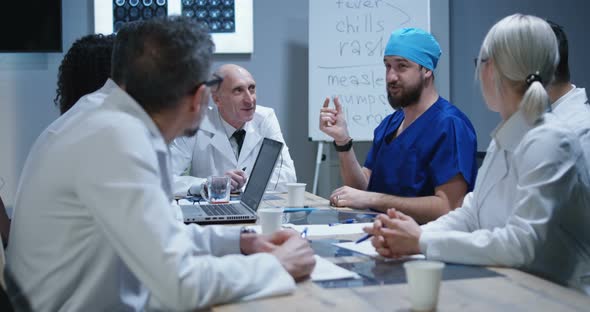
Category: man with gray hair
<point>99,232</point>
<point>230,137</point>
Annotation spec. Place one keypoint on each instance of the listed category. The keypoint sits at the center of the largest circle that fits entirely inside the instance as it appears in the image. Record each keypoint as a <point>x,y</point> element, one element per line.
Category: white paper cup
<point>296,195</point>
<point>270,219</point>
<point>424,281</point>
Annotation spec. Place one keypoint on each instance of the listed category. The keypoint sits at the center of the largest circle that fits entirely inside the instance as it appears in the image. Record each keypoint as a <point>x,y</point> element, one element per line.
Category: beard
<point>409,95</point>
<point>189,133</point>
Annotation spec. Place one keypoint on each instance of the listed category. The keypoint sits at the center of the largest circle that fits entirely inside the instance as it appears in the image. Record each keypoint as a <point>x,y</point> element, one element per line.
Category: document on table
<point>366,248</point>
<point>327,271</point>
<point>323,230</point>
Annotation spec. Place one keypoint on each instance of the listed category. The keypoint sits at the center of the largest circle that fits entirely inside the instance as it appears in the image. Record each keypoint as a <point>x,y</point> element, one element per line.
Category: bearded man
<point>422,161</point>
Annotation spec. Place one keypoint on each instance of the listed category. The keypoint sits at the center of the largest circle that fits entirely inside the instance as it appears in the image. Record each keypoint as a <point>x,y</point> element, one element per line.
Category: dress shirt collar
<point>508,134</point>
<point>229,129</point>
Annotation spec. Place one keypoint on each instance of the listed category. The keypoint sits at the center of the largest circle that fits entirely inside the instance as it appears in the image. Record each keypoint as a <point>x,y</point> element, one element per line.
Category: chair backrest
<point>6,279</point>
<point>4,299</point>
<point>4,224</point>
<point>4,229</point>
<point>16,301</point>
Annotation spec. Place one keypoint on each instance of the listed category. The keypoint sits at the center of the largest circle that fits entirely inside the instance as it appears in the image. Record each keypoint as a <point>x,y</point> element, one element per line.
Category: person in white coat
<point>215,149</point>
<point>570,103</point>
<point>93,227</point>
<point>85,67</point>
<point>529,208</point>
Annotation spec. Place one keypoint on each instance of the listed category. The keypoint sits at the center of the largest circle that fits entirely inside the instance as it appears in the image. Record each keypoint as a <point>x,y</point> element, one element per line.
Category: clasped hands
<point>395,234</point>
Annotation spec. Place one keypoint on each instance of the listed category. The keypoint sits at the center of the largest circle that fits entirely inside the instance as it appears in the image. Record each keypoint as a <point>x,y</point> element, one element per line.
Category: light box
<point>230,21</point>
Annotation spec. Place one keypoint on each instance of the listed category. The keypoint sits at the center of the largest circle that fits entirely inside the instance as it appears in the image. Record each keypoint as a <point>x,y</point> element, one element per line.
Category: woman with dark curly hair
<point>84,69</point>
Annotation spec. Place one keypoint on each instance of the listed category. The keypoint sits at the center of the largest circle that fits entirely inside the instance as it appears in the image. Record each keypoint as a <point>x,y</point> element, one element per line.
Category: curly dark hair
<point>84,69</point>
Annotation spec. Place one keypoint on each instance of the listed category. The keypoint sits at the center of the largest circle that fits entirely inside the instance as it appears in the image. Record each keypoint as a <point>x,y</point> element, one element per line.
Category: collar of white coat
<point>122,101</point>
<point>508,134</point>
<point>213,122</point>
<point>575,95</point>
<point>109,85</point>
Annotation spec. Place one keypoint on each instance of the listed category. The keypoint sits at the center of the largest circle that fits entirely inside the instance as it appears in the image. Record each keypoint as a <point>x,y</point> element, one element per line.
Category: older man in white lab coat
<point>218,149</point>
<point>98,231</point>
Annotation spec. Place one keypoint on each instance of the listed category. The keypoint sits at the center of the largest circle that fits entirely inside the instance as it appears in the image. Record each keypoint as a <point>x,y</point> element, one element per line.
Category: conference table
<point>383,286</point>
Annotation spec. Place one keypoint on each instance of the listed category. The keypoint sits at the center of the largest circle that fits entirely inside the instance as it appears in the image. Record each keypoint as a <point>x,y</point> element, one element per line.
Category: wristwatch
<point>247,230</point>
<point>343,148</point>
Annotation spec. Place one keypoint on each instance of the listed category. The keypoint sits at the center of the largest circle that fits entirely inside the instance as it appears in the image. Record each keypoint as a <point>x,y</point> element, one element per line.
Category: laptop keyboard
<point>220,210</point>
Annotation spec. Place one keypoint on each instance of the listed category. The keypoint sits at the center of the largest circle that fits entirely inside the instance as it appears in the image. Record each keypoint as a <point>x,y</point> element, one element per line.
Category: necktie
<point>239,135</point>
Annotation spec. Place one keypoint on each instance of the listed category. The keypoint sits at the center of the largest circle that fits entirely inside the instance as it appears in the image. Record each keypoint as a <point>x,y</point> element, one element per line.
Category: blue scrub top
<point>437,146</point>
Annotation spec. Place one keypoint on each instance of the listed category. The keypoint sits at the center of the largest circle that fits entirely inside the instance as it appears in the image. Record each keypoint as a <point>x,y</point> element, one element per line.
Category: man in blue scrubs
<point>422,161</point>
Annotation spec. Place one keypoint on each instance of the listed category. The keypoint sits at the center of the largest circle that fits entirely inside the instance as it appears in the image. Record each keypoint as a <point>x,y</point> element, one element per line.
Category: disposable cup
<point>424,282</point>
<point>270,219</point>
<point>296,194</point>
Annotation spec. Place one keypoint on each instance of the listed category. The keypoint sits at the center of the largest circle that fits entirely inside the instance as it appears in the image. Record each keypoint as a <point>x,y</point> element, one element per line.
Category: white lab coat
<point>86,103</point>
<point>529,208</point>
<point>574,111</point>
<point>209,152</point>
<point>93,229</point>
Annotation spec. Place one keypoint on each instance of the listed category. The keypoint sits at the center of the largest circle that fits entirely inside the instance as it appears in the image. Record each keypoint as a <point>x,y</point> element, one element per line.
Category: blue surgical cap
<point>415,45</point>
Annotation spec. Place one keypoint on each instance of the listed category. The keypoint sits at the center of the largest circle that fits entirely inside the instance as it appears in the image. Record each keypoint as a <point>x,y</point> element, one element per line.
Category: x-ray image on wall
<point>133,10</point>
<point>230,22</point>
<point>218,15</point>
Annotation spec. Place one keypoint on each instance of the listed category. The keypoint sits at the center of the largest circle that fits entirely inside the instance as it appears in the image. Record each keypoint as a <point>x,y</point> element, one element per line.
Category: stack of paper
<point>326,271</point>
<point>366,248</point>
<point>323,230</point>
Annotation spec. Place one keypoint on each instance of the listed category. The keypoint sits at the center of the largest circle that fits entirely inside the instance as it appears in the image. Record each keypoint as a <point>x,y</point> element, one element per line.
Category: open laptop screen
<point>263,168</point>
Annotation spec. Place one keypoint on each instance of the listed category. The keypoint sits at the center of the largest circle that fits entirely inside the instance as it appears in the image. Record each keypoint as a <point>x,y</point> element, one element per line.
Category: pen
<point>304,233</point>
<point>347,221</point>
<point>244,169</point>
<point>364,238</point>
<point>305,208</point>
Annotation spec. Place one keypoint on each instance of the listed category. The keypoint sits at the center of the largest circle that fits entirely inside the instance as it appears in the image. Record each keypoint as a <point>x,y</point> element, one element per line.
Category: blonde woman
<point>531,202</point>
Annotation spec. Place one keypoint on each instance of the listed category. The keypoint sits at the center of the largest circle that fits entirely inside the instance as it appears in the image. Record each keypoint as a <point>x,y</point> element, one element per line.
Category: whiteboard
<point>346,43</point>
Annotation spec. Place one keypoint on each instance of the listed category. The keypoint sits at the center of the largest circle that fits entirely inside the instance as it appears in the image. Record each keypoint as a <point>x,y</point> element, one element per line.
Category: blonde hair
<point>524,50</point>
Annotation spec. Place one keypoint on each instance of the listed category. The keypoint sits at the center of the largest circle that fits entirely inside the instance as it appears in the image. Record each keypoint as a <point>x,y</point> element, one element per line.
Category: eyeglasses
<point>477,60</point>
<point>215,81</point>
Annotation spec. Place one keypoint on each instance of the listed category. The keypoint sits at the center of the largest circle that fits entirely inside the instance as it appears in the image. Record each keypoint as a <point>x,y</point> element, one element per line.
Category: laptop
<point>245,210</point>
